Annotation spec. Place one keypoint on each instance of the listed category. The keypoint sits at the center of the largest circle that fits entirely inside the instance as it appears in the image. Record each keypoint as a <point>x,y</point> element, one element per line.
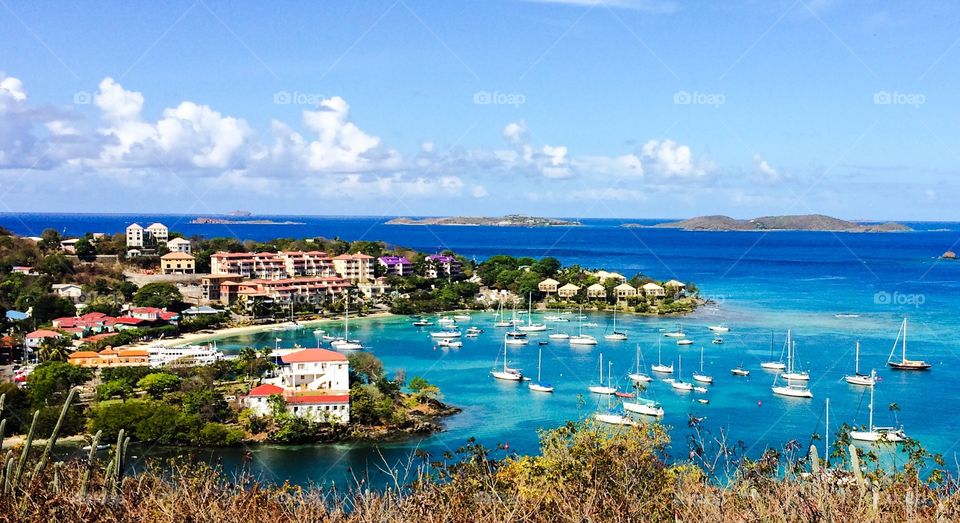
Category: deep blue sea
<point>761,283</point>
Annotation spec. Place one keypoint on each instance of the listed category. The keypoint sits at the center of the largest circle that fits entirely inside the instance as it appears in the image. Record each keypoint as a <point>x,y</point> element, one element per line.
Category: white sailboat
<point>678,383</point>
<point>446,333</point>
<point>877,434</point>
<point>791,389</point>
<point>581,338</point>
<point>601,388</point>
<point>538,386</point>
<point>499,317</point>
<point>701,376</point>
<point>684,342</point>
<point>345,343</point>
<point>773,364</point>
<point>677,333</point>
<point>644,406</point>
<point>865,380</point>
<point>637,375</point>
<point>660,367</point>
<point>507,374</point>
<point>613,418</point>
<point>792,374</point>
<point>719,328</point>
<point>530,326</point>
<point>904,363</point>
<point>615,335</point>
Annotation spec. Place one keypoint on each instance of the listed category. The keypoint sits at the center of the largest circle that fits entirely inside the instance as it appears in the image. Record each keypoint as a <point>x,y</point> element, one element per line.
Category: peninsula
<point>206,220</point>
<point>805,222</point>
<point>511,220</point>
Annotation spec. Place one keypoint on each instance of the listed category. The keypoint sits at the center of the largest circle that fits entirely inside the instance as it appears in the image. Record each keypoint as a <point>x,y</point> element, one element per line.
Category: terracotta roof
<point>176,256</point>
<point>43,333</point>
<point>82,354</point>
<point>313,355</point>
<point>318,398</point>
<point>265,390</point>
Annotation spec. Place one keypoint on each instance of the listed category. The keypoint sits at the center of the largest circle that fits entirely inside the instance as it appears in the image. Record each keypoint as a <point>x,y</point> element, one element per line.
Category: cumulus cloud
<point>670,160</point>
<point>766,173</point>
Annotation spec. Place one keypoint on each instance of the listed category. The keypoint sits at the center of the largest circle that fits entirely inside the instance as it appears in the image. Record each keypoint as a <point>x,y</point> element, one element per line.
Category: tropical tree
<point>54,349</point>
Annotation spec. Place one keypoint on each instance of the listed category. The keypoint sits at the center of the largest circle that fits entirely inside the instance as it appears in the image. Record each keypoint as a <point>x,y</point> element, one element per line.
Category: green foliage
<point>251,421</point>
<point>207,403</point>
<point>118,388</point>
<point>154,421</point>
<point>85,250</point>
<point>159,294</point>
<point>130,375</point>
<point>294,429</point>
<point>365,367</point>
<point>46,307</point>
<point>220,435</point>
<point>158,383</point>
<point>56,266</point>
<point>49,382</point>
<point>370,406</point>
<point>55,349</point>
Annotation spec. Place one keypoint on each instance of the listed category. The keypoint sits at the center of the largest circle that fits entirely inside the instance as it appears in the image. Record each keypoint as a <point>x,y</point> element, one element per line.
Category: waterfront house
<point>679,288</point>
<point>653,290</point>
<point>548,285</point>
<point>443,265</point>
<point>568,291</point>
<point>396,265</point>
<point>177,263</point>
<point>314,383</point>
<point>153,314</point>
<point>596,291</point>
<point>624,290</point>
<point>180,245</point>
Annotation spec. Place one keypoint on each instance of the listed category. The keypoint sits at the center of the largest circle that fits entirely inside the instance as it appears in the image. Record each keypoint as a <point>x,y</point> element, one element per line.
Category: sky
<point>574,108</point>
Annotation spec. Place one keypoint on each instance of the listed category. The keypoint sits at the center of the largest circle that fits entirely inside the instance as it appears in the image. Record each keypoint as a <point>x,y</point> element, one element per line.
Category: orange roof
<point>81,354</point>
<point>265,390</point>
<point>313,355</point>
<point>133,352</point>
<point>43,333</point>
<point>318,398</point>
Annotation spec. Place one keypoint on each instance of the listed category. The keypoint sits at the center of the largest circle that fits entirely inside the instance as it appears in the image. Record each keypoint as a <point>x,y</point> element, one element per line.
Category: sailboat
<point>866,380</point>
<point>719,328</point>
<point>345,343</point>
<point>660,367</point>
<point>701,377</point>
<point>638,376</point>
<point>739,371</point>
<point>538,386</point>
<point>679,384</point>
<point>792,374</point>
<point>644,406</point>
<point>677,333</point>
<point>581,338</point>
<point>601,388</point>
<point>612,418</point>
<point>507,374</point>
<point>904,363</point>
<point>794,390</point>
<point>773,364</point>
<point>615,335</point>
<point>877,434</point>
<point>530,326</point>
<point>422,322</point>
<point>499,317</point>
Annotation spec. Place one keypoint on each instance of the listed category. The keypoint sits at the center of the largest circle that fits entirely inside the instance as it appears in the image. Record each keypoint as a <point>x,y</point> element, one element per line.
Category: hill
<point>804,222</point>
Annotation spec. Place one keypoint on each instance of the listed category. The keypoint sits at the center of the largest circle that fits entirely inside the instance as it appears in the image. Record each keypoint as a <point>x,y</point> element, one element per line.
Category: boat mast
<point>871,404</point>
<point>826,437</point>
<point>539,357</point>
<point>638,358</point>
<point>904,352</point>
<point>857,371</point>
<point>609,372</point>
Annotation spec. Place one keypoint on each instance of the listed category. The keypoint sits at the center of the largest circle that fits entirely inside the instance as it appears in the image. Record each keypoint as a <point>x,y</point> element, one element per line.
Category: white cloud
<point>479,191</point>
<point>670,160</point>
<point>766,173</point>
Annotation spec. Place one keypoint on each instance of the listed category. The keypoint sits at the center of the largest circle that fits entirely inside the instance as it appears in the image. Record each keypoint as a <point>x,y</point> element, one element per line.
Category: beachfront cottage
<point>653,290</point>
<point>596,291</point>
<point>568,291</point>
<point>624,290</point>
<point>604,276</point>
<point>679,288</point>
<point>548,285</point>
<point>314,383</point>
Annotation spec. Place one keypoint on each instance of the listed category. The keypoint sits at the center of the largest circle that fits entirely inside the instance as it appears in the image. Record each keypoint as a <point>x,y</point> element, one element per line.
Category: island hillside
<point>511,220</point>
<point>804,222</point>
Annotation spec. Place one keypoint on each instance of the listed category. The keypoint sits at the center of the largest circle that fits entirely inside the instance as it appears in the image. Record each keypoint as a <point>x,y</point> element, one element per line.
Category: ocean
<point>760,283</point>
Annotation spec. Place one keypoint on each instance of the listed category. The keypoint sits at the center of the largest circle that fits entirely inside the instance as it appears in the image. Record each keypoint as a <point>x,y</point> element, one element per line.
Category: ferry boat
<point>161,356</point>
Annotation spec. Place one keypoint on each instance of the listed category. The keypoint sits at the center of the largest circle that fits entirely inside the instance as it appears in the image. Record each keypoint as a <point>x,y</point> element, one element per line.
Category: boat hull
<point>645,409</point>
<point>640,378</point>
<point>582,340</point>
<point>876,436</point>
<point>792,393</point>
<point>910,365</point>
<point>614,419</point>
<point>703,378</point>
<point>662,369</point>
<point>599,389</point>
<point>863,381</point>
<point>506,376</point>
<point>536,387</point>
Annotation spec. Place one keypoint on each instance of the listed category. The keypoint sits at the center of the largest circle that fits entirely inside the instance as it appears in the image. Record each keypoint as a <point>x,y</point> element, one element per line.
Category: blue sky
<point>615,108</point>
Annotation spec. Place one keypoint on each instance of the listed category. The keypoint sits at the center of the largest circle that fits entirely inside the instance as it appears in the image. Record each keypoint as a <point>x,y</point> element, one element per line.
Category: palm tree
<point>54,349</point>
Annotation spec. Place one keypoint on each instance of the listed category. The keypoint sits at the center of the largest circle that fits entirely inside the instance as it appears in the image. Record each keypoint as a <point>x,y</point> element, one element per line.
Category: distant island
<point>511,220</point>
<point>206,220</point>
<point>805,222</point>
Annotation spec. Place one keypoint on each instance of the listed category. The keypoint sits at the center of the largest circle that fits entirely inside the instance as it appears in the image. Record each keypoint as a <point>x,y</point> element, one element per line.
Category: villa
<point>604,276</point>
<point>653,290</point>
<point>139,237</point>
<point>314,383</point>
<point>180,245</point>
<point>678,286</point>
<point>71,291</point>
<point>568,291</point>
<point>444,265</point>
<point>548,285</point>
<point>625,290</point>
<point>177,263</point>
<point>596,291</point>
<point>396,265</point>
<point>33,339</point>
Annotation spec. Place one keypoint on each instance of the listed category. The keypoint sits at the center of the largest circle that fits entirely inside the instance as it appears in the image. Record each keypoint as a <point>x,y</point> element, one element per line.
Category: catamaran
<point>773,364</point>
<point>530,326</point>
<point>877,434</point>
<point>345,343</point>
<point>638,376</point>
<point>615,335</point>
<point>601,388</point>
<point>792,374</point>
<point>507,374</point>
<point>539,386</point>
<point>581,338</point>
<point>678,383</point>
<point>660,367</point>
<point>904,363</point>
<point>866,380</point>
<point>701,376</point>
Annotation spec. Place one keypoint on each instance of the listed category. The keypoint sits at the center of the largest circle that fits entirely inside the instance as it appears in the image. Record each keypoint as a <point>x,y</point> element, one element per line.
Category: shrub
<point>220,435</point>
<point>157,383</point>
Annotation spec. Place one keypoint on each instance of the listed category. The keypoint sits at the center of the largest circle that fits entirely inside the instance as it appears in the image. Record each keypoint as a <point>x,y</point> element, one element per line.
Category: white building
<point>138,237</point>
<point>180,245</point>
<point>71,291</point>
<point>134,235</point>
<point>158,232</point>
<point>314,383</point>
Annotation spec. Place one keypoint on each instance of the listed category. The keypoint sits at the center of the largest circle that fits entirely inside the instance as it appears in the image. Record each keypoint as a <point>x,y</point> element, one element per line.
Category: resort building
<point>33,339</point>
<point>354,267</point>
<point>396,265</point>
<point>596,291</point>
<point>548,285</point>
<point>653,290</point>
<point>177,263</point>
<point>678,287</point>
<point>70,291</point>
<point>110,358</point>
<point>372,289</point>
<point>624,290</point>
<point>443,265</point>
<point>604,276</point>
<point>264,265</point>
<point>210,285</point>
<point>568,291</point>
<point>302,290</point>
<point>158,232</point>
<point>134,236</point>
<point>153,314</point>
<point>307,263</point>
<point>180,245</point>
<point>314,383</point>
<point>139,237</point>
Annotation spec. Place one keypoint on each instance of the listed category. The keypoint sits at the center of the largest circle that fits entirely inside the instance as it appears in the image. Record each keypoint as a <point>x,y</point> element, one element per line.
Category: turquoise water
<point>761,283</point>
